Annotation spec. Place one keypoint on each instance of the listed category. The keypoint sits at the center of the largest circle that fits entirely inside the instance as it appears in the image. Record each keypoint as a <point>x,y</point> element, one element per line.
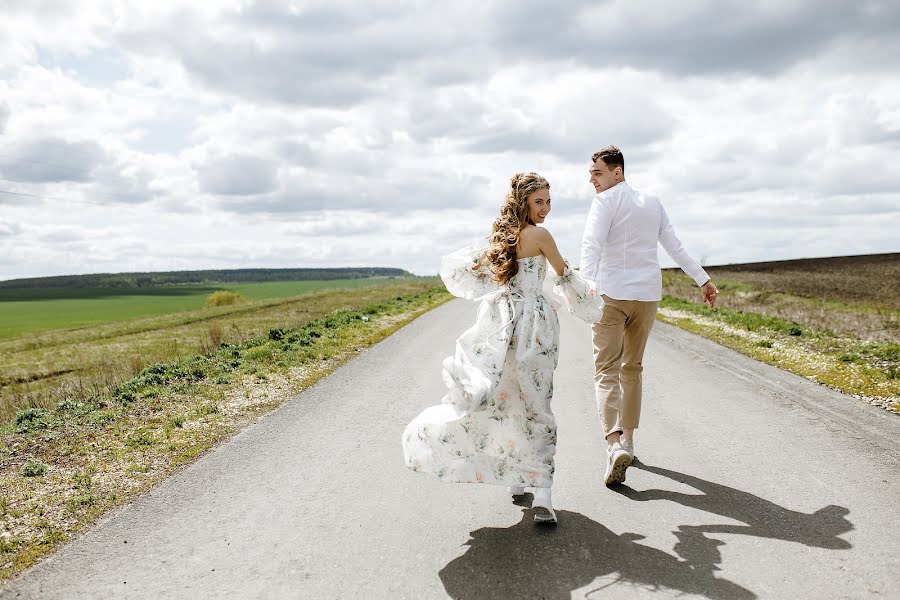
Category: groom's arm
<point>595,231</point>
<point>672,245</point>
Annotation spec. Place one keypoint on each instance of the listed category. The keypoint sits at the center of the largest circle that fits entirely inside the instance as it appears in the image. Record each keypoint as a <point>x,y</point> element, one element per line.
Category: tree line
<point>154,279</point>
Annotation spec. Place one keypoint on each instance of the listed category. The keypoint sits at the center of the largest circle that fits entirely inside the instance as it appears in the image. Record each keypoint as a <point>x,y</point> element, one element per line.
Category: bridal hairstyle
<point>612,156</point>
<point>501,254</point>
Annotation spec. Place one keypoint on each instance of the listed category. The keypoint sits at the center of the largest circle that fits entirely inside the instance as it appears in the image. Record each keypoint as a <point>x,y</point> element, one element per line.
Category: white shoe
<point>516,490</point>
<point>543,506</point>
<point>618,459</point>
<point>629,448</point>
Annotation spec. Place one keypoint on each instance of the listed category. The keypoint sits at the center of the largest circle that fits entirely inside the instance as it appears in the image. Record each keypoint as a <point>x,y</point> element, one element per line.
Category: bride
<point>495,424</point>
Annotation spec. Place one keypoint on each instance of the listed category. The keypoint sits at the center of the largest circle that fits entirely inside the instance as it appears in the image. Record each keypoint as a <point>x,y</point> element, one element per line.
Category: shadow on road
<point>529,561</point>
<point>760,518</point>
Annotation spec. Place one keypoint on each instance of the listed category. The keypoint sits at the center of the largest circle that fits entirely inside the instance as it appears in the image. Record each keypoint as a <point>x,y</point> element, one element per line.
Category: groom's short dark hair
<point>612,156</point>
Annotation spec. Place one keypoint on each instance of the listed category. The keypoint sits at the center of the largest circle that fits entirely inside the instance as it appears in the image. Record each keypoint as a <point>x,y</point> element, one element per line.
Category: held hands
<point>710,292</point>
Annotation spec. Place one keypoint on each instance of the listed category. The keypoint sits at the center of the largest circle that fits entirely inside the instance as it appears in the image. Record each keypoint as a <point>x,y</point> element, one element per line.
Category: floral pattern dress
<point>495,424</point>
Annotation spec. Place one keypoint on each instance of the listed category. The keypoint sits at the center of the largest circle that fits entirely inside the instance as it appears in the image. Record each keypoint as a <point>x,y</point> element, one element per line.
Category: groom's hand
<point>710,292</point>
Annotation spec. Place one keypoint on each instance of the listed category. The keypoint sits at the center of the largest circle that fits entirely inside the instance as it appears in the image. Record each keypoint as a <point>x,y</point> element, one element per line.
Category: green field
<point>44,309</point>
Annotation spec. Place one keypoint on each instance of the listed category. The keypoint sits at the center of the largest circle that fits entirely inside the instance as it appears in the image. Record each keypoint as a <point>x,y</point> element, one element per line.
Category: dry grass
<point>62,469</point>
<point>859,298</point>
<point>835,321</point>
<point>870,379</point>
<point>40,370</point>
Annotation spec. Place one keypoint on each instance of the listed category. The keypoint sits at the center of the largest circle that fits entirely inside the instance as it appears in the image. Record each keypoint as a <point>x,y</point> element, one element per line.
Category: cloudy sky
<point>180,135</point>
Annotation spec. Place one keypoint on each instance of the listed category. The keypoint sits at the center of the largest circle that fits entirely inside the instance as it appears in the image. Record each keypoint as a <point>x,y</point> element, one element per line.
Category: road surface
<point>752,483</point>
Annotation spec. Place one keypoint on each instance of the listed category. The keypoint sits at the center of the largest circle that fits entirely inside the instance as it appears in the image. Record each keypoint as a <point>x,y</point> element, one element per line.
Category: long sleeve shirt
<point>619,246</point>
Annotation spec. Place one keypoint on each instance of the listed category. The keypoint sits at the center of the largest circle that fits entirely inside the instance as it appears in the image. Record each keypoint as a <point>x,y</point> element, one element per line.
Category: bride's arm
<point>466,273</point>
<point>578,294</point>
<point>548,248</point>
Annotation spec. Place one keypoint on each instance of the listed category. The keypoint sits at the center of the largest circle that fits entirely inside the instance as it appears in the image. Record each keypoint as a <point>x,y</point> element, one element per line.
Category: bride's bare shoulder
<point>534,239</point>
<point>534,230</point>
<point>535,233</point>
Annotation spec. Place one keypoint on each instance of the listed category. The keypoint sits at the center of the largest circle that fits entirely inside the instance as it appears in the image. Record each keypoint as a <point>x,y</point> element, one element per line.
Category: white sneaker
<point>629,448</point>
<point>516,490</point>
<point>543,506</point>
<point>618,459</point>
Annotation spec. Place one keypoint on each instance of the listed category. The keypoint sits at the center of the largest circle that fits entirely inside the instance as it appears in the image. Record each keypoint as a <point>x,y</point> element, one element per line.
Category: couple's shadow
<point>526,561</point>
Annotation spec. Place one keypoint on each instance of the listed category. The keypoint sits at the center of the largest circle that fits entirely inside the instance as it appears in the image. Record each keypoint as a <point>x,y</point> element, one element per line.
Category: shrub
<point>849,357</point>
<point>102,417</point>
<point>224,298</point>
<point>259,354</point>
<point>210,408</point>
<point>33,419</point>
<point>300,338</point>
<point>139,438</point>
<point>9,545</point>
<point>34,468</point>
<point>886,351</point>
<point>83,479</point>
<point>71,406</point>
<point>77,501</point>
<point>255,341</point>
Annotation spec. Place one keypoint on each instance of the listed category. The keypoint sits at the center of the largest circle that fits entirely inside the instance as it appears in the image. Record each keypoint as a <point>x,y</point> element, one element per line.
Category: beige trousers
<point>619,341</point>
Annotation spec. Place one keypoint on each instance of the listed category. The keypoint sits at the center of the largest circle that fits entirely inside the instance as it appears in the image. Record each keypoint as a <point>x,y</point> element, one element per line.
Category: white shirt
<point>618,249</point>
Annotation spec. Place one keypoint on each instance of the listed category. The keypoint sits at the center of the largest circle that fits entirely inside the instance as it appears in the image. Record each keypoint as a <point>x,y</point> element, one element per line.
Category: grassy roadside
<point>875,318</point>
<point>807,345</point>
<point>42,369</point>
<point>63,467</point>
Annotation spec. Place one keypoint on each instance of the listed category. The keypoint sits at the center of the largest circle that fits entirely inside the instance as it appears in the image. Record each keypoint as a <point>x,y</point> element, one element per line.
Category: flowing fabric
<point>495,424</point>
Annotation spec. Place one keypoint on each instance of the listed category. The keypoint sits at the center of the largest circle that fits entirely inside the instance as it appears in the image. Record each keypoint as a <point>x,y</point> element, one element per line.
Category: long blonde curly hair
<point>501,254</point>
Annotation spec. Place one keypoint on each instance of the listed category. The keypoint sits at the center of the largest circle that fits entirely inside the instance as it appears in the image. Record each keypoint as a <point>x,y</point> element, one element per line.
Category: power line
<point>21,194</point>
<point>70,169</point>
<point>135,199</point>
<point>58,199</point>
<point>41,162</point>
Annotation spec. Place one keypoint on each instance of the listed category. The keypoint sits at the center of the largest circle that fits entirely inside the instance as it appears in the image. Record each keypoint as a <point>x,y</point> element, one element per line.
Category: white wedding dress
<point>495,425</point>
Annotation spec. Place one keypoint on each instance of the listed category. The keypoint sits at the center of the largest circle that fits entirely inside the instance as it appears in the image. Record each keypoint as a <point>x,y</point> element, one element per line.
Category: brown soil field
<point>855,296</point>
<point>871,279</point>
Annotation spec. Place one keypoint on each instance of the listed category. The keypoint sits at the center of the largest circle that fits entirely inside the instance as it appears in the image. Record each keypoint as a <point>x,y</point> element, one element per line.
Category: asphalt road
<point>752,483</point>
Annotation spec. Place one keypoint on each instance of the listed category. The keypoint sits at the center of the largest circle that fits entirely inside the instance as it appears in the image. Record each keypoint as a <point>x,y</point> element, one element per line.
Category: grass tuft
<point>34,419</point>
<point>34,468</point>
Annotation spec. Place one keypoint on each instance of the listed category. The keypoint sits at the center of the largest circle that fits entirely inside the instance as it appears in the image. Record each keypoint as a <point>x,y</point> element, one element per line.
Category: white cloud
<point>4,116</point>
<point>10,229</point>
<point>43,160</point>
<point>238,175</point>
<point>137,136</point>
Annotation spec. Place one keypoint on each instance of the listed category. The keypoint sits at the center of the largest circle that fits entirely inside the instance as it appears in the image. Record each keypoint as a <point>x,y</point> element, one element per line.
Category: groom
<point>618,252</point>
